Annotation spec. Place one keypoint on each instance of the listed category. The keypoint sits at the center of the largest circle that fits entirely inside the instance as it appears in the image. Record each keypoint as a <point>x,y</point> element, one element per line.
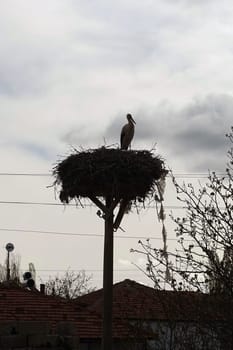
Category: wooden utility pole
<point>115,176</point>
<point>108,278</point>
<point>108,214</point>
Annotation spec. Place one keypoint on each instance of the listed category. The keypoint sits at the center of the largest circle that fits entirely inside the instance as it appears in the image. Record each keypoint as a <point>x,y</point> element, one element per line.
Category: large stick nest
<point>103,172</point>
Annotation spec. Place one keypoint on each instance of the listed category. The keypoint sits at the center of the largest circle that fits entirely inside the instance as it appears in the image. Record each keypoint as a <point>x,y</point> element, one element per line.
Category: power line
<point>82,205</point>
<point>26,174</point>
<point>80,270</point>
<point>197,175</point>
<point>177,175</point>
<point>38,203</point>
<point>81,234</point>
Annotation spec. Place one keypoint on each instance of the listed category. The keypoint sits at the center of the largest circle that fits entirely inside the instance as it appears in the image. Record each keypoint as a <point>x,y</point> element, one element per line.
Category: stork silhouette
<point>127,132</point>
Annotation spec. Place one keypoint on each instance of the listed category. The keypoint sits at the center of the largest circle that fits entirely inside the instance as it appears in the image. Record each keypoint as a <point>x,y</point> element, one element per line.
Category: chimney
<point>42,288</point>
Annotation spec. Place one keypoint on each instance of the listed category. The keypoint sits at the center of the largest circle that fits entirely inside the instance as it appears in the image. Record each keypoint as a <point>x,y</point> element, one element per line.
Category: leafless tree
<point>70,285</point>
<point>15,273</point>
<point>203,258</point>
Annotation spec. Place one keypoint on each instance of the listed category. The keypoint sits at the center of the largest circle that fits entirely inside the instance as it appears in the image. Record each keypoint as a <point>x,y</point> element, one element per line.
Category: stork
<point>127,132</point>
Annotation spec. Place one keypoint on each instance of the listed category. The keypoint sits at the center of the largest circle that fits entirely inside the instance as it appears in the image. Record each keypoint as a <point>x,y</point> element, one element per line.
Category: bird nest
<point>104,172</point>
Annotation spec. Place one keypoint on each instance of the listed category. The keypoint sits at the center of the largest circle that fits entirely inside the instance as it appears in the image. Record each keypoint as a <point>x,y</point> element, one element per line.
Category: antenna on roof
<point>32,269</point>
<point>9,247</point>
<point>29,281</point>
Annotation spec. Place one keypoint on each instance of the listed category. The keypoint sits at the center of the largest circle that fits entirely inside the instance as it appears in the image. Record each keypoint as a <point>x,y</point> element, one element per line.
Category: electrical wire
<point>80,270</point>
<point>39,203</point>
<point>26,174</point>
<point>83,205</point>
<point>81,234</point>
<point>177,175</point>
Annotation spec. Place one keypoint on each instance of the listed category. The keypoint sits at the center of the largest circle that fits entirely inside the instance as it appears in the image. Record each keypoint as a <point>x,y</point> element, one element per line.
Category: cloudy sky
<point>70,70</point>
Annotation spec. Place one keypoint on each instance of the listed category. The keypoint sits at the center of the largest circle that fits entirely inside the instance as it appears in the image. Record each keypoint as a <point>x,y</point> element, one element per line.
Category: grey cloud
<point>131,35</point>
<point>76,135</point>
<point>117,37</point>
<point>18,80</point>
<point>199,139</point>
<point>83,136</point>
<point>36,149</point>
<point>194,134</point>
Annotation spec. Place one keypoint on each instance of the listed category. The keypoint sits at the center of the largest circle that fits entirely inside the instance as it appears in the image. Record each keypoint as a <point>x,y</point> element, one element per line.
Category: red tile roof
<point>131,301</point>
<point>19,304</point>
<point>134,301</point>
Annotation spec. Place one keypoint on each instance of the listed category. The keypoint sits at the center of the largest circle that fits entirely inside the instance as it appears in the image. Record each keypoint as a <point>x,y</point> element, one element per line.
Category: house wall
<point>167,336</point>
<point>117,345</point>
<point>36,335</point>
<point>178,335</point>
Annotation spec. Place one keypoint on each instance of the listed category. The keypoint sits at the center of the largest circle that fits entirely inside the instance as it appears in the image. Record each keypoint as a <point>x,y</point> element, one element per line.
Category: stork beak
<point>133,120</point>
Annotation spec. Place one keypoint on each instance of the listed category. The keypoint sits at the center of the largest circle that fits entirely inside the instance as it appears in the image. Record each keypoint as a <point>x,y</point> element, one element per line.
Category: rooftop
<point>132,301</point>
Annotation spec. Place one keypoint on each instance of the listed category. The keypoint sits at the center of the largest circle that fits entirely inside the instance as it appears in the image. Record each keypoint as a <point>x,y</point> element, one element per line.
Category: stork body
<point>127,132</point>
